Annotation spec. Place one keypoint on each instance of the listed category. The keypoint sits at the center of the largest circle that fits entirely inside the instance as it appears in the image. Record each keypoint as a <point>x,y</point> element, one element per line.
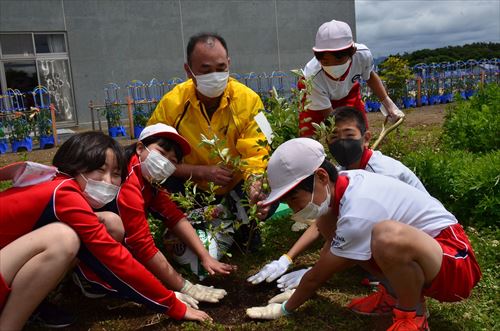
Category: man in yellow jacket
<point>211,103</point>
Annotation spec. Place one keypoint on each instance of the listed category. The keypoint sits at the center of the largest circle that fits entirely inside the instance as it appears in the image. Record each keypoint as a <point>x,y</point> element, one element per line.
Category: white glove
<point>291,280</point>
<point>270,312</point>
<point>203,293</point>
<point>282,297</point>
<point>390,109</point>
<point>188,300</point>
<point>298,226</point>
<point>272,270</point>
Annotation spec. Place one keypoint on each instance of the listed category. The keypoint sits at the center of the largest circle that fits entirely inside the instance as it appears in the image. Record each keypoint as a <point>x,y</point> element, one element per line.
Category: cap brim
<point>331,49</point>
<point>278,193</point>
<point>185,147</point>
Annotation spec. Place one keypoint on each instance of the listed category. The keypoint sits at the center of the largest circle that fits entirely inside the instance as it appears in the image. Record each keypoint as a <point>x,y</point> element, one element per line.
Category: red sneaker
<point>408,321</point>
<point>375,304</point>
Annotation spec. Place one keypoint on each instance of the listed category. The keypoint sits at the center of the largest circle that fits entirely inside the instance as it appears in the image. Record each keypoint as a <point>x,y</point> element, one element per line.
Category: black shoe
<point>50,316</point>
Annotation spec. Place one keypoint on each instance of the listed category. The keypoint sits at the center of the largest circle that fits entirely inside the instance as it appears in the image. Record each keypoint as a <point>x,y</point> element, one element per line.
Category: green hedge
<point>467,184</point>
<point>474,125</point>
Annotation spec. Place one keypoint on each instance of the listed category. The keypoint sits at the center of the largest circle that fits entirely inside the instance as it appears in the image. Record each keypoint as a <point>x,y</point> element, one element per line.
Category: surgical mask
<point>312,211</point>
<point>213,84</point>
<point>346,151</point>
<point>156,167</point>
<point>99,193</point>
<point>338,70</point>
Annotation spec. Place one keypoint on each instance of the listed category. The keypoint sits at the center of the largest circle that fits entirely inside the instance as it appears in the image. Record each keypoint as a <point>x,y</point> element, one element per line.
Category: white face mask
<point>156,167</point>
<point>213,84</point>
<point>98,193</point>
<point>312,211</point>
<point>337,71</point>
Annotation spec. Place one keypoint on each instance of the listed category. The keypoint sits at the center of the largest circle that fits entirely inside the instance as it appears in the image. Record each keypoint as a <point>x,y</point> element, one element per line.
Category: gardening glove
<point>291,280</point>
<point>298,226</point>
<point>282,297</point>
<point>272,270</point>
<point>188,300</point>
<point>390,109</point>
<point>203,293</point>
<point>270,312</point>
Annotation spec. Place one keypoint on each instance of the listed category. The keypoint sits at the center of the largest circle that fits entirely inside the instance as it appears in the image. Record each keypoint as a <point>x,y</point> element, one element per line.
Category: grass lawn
<point>326,310</point>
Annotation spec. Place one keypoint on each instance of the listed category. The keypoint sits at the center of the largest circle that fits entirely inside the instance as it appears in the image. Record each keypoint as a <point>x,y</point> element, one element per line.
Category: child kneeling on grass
<point>349,146</point>
<point>44,225</point>
<point>151,161</point>
<point>404,237</point>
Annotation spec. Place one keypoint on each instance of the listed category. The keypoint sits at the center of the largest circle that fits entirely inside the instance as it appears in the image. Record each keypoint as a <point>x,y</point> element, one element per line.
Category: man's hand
<point>203,293</point>
<point>212,266</point>
<point>272,270</point>
<point>187,299</point>
<point>218,175</point>
<point>390,109</point>
<point>270,312</point>
<point>196,315</point>
<point>255,196</point>
<point>291,280</point>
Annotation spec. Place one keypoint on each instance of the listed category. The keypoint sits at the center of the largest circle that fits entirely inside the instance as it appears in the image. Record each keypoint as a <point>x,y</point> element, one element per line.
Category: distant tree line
<point>474,51</point>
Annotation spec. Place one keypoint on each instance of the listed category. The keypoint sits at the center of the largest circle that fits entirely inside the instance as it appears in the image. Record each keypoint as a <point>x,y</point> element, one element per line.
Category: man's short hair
<point>203,37</point>
<point>348,113</point>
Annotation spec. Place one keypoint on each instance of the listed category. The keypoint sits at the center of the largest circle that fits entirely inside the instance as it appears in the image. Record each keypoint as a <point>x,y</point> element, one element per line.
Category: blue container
<point>367,109</point>
<point>469,93</point>
<point>26,143</point>
<point>375,106</point>
<point>409,102</point>
<point>434,99</point>
<point>137,131</point>
<point>4,146</point>
<point>462,94</point>
<point>446,98</point>
<point>424,100</point>
<point>46,142</point>
<point>116,131</point>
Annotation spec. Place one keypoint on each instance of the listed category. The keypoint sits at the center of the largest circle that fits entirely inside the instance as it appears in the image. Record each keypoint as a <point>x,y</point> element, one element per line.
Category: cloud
<point>390,26</point>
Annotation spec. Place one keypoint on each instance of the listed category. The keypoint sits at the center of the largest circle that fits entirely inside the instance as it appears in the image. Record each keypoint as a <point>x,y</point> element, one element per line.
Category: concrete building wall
<point>121,40</point>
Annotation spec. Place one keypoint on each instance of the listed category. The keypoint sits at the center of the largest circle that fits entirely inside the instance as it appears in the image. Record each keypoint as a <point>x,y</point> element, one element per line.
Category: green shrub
<point>474,125</point>
<point>467,184</point>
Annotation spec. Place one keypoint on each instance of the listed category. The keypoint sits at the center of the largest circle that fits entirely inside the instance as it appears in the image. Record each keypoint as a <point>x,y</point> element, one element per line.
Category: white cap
<point>290,163</point>
<point>333,36</point>
<point>163,130</point>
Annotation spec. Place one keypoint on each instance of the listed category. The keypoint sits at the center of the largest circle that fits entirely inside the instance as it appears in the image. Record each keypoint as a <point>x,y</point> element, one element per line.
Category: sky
<point>398,26</point>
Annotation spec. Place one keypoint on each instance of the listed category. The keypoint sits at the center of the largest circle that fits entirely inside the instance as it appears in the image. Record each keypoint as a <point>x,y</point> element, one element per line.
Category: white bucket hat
<point>163,130</point>
<point>333,36</point>
<point>290,163</point>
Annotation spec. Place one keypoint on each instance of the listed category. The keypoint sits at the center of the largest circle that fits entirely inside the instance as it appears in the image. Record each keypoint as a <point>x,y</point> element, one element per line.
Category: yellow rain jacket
<point>233,122</point>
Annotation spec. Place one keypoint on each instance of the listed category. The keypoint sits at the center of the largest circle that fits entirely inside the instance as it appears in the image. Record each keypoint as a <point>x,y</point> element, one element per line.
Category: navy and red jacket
<point>135,199</point>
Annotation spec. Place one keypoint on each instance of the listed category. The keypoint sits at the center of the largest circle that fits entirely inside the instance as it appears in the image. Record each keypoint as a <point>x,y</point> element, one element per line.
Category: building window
<point>28,60</point>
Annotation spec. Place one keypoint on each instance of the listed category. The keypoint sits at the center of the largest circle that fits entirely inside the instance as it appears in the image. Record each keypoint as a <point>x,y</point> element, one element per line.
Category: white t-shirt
<point>371,198</point>
<point>387,166</point>
<point>325,89</point>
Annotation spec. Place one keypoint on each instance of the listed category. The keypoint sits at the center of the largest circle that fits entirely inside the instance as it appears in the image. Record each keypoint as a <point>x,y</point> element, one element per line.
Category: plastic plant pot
<point>137,131</point>
<point>116,131</point>
<point>23,144</point>
<point>46,142</point>
<point>4,146</point>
